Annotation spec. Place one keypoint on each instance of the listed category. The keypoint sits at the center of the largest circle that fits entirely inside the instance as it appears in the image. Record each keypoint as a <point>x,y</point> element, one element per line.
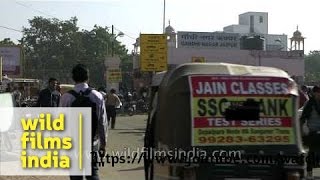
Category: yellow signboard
<point>153,39</point>
<point>114,75</point>
<point>153,53</point>
<point>198,59</point>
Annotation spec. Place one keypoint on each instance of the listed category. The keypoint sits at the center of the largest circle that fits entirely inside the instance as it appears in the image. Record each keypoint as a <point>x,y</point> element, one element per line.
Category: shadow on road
<point>133,169</point>
<point>131,132</point>
<point>139,129</point>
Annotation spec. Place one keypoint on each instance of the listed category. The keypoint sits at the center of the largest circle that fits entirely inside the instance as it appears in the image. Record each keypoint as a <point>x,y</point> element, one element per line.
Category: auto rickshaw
<point>29,89</point>
<point>7,112</point>
<point>219,110</point>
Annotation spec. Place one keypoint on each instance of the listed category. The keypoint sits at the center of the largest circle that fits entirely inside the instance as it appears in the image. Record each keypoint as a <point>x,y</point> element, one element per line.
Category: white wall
<point>242,29</point>
<point>293,65</point>
<point>259,27</point>
<point>243,19</point>
<point>229,29</point>
<point>136,61</point>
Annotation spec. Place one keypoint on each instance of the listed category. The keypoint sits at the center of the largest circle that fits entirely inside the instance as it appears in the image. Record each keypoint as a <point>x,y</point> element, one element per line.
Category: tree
<point>312,67</point>
<point>7,42</point>
<point>47,46</point>
<point>127,73</point>
<point>53,47</point>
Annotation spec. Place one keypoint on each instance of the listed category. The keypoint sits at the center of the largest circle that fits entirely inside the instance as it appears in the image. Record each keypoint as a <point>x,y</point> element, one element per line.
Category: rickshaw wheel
<point>294,175</point>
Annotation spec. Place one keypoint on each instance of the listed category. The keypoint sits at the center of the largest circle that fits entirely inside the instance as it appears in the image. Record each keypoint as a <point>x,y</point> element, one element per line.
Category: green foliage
<point>52,47</point>
<point>127,73</point>
<point>7,42</point>
<point>312,67</point>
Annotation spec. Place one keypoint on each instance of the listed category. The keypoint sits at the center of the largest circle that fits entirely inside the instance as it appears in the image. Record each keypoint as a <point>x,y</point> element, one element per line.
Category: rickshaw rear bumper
<point>254,172</point>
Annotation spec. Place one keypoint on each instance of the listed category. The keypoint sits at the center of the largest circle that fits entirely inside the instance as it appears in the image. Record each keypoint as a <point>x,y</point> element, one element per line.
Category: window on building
<point>251,24</point>
<point>261,19</point>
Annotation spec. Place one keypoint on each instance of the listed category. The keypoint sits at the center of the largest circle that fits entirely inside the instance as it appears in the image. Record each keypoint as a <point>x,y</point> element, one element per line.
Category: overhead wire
<point>126,34</point>
<point>44,13</point>
<point>9,28</point>
<point>41,12</point>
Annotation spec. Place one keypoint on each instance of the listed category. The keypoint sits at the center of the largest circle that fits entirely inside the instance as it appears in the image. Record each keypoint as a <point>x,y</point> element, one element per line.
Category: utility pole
<point>112,41</point>
<point>1,62</point>
<point>164,15</point>
<point>259,59</point>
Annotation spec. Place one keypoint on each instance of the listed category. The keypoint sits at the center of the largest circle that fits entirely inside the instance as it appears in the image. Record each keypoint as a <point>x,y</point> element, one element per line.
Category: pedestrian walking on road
<point>311,116</point>
<point>17,96</point>
<point>112,103</point>
<point>84,96</point>
<point>49,97</point>
<point>303,96</point>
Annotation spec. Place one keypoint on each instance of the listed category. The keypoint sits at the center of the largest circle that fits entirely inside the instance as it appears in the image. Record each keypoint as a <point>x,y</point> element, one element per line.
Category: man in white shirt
<point>80,75</point>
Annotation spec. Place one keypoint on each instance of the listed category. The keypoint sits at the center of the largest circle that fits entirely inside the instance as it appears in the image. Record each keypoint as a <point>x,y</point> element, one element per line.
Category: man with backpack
<point>83,96</point>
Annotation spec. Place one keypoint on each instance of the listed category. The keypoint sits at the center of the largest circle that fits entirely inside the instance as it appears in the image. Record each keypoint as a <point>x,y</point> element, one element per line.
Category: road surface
<point>126,138</point>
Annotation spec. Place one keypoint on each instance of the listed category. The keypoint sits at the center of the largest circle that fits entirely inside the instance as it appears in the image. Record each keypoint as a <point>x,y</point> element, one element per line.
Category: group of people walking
<point>103,107</point>
<point>51,96</point>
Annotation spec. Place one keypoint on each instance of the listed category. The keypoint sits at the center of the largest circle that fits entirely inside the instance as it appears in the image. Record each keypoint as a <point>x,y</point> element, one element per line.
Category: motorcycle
<point>129,107</point>
<point>142,106</point>
<point>132,108</point>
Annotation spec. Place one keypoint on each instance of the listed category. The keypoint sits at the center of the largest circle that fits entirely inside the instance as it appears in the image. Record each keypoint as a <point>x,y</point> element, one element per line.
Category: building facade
<point>256,23</point>
<point>227,46</point>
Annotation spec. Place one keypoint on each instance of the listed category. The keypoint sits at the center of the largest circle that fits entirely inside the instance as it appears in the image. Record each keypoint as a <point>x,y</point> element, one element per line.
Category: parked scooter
<point>132,107</point>
<point>142,106</point>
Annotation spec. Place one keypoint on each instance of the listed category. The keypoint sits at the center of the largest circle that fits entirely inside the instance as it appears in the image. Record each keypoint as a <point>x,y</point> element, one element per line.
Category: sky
<point>133,17</point>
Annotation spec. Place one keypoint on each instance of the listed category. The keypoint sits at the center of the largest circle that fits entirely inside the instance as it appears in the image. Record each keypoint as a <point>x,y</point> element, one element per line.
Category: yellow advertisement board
<point>153,52</point>
<point>198,59</point>
<point>114,75</point>
<point>153,39</point>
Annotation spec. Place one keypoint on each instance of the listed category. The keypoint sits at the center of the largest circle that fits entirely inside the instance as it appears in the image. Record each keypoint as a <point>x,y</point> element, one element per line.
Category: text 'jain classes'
<point>205,88</point>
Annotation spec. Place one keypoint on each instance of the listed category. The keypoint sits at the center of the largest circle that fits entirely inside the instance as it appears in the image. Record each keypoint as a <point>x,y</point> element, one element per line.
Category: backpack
<point>83,100</point>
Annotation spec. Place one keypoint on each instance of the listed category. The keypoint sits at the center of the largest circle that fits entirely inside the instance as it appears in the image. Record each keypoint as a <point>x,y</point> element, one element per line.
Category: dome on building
<point>297,34</point>
<point>297,39</point>
<point>169,29</point>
